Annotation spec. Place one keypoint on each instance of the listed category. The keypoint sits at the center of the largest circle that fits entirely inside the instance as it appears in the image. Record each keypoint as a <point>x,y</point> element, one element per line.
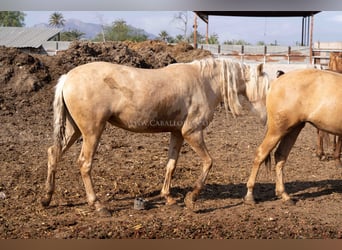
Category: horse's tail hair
<point>59,117</point>
<point>268,162</point>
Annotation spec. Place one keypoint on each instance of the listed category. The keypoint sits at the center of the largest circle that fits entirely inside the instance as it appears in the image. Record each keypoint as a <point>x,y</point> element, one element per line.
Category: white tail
<point>59,115</point>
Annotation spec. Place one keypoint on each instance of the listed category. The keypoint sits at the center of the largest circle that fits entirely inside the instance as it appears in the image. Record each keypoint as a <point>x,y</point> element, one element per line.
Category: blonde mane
<point>231,72</point>
<point>256,90</point>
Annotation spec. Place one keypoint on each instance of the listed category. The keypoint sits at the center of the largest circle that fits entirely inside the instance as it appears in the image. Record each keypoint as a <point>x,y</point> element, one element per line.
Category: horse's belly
<point>329,122</point>
<point>137,122</point>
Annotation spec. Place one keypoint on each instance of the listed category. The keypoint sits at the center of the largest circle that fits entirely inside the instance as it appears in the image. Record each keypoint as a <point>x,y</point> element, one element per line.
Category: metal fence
<point>249,53</point>
<point>266,54</point>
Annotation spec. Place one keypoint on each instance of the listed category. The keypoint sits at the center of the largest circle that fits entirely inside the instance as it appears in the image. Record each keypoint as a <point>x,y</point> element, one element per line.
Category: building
<point>28,39</point>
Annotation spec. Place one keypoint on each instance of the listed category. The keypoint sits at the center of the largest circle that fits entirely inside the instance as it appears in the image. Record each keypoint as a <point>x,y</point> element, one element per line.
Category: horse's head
<point>257,85</point>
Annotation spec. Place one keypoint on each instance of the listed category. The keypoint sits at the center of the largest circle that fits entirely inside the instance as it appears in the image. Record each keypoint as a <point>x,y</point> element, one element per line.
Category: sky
<point>284,30</point>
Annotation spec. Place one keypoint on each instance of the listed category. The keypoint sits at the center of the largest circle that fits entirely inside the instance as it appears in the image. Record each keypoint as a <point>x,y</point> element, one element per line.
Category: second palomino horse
<point>297,97</point>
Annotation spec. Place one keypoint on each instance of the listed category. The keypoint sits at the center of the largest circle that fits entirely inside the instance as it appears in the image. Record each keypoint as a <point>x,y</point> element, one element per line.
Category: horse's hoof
<point>170,201</point>
<point>324,158</point>
<point>104,212</point>
<point>45,202</point>
<point>249,201</point>
<point>189,201</point>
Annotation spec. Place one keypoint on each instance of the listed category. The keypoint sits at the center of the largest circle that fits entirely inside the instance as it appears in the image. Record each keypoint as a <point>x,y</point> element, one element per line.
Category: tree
<point>200,38</point>
<point>213,39</point>
<point>120,31</point>
<point>164,36</point>
<point>261,43</point>
<point>72,35</point>
<point>182,18</point>
<point>12,19</point>
<point>179,38</point>
<point>236,42</point>
<point>56,20</point>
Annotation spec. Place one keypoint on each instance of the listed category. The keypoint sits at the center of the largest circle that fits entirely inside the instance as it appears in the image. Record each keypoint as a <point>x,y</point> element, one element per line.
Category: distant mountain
<point>91,30</point>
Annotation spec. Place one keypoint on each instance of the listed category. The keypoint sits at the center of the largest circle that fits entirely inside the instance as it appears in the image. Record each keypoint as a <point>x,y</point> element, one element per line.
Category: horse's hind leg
<point>55,153</point>
<point>85,161</point>
<point>196,141</point>
<point>337,152</point>
<point>262,153</point>
<point>281,155</point>
<point>176,142</point>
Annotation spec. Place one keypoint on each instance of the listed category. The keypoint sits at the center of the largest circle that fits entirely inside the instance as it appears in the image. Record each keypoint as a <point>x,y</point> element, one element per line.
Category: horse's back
<point>308,82</point>
<point>122,94</point>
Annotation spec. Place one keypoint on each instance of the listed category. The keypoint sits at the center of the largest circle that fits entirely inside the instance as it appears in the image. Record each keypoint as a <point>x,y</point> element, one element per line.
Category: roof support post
<point>303,31</point>
<point>311,36</point>
<point>207,33</point>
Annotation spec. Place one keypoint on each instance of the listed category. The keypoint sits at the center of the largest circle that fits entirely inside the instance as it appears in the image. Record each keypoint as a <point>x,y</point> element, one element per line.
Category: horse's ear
<point>260,69</point>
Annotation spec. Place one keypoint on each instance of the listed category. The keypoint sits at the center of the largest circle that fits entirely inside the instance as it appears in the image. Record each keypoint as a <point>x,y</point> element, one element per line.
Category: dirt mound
<point>21,72</point>
<point>86,52</point>
<point>147,54</point>
<point>160,54</point>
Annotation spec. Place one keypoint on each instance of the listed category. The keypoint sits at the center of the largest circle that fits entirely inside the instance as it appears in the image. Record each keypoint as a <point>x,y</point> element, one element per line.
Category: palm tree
<point>56,20</point>
<point>179,38</point>
<point>72,35</point>
<point>163,35</point>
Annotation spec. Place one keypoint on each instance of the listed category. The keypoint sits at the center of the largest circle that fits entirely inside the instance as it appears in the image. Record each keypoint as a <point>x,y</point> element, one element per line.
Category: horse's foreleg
<point>281,155</point>
<point>176,142</point>
<point>85,161</point>
<point>337,151</point>
<point>196,141</point>
<point>262,152</point>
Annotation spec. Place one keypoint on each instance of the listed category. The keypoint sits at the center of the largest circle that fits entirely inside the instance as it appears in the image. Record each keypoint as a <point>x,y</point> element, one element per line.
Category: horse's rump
<point>308,95</point>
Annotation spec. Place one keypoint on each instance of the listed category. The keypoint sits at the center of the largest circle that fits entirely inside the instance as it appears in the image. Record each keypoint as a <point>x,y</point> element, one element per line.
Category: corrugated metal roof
<point>20,37</point>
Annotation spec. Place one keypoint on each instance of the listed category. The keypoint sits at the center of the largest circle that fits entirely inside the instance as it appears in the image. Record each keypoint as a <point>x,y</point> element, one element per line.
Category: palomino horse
<point>337,145</point>
<point>179,98</point>
<point>335,64</point>
<point>324,136</point>
<point>297,97</point>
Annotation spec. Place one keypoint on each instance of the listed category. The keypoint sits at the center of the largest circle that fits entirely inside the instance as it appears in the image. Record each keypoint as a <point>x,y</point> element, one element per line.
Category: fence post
<point>265,52</point>
<point>288,55</point>
<point>56,48</point>
<point>242,53</point>
<point>219,49</point>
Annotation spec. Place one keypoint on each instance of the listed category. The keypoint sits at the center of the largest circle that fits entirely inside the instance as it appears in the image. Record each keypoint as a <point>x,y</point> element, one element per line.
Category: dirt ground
<point>129,165</point>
